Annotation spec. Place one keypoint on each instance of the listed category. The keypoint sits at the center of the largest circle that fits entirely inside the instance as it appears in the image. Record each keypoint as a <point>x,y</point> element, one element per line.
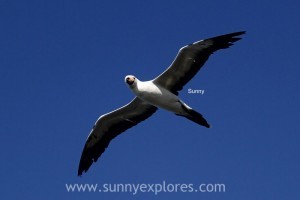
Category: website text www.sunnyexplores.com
<point>155,188</point>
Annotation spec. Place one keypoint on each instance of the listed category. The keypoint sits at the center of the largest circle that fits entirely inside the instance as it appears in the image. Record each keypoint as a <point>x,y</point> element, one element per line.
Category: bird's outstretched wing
<point>110,125</point>
<point>191,58</point>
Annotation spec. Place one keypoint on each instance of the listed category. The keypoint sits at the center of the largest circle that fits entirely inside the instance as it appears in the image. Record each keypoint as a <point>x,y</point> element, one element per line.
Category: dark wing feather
<point>110,125</point>
<point>190,59</point>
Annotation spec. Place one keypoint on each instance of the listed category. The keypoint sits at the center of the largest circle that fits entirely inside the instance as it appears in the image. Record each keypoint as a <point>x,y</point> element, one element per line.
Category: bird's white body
<point>158,96</point>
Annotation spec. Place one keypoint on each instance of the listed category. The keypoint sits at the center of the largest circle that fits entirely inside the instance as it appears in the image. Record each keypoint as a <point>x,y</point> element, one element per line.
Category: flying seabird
<point>161,92</point>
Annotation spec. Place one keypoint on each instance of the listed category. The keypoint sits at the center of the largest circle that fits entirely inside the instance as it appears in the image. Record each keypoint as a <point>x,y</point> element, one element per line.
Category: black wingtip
<point>224,41</point>
<point>79,173</point>
<point>86,160</point>
<point>233,35</point>
<point>82,170</point>
<point>85,164</point>
<point>206,125</point>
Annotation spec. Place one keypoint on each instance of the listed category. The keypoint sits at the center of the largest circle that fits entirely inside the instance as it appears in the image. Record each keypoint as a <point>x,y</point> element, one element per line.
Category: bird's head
<point>130,80</point>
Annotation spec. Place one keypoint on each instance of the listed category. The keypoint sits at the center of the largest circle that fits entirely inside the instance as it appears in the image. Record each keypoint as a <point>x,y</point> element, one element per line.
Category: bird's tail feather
<point>197,118</point>
<point>194,116</point>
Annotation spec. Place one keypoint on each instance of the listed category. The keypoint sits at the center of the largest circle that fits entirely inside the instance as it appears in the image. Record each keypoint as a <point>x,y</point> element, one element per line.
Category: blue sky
<point>63,63</point>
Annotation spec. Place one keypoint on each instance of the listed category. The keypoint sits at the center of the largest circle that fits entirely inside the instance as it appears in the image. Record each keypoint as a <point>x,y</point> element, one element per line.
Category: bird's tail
<point>193,116</point>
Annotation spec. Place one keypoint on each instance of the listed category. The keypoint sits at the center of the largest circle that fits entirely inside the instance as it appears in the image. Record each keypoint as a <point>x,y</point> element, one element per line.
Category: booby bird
<point>161,92</point>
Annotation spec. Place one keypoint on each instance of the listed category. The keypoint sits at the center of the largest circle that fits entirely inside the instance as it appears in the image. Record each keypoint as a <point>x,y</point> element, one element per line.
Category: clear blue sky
<point>62,65</point>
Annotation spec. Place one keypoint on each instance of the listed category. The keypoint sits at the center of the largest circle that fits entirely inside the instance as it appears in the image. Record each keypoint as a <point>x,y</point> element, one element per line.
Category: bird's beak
<point>130,81</point>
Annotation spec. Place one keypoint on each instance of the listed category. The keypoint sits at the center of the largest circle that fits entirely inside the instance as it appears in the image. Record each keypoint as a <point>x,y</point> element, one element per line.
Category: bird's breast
<point>158,96</point>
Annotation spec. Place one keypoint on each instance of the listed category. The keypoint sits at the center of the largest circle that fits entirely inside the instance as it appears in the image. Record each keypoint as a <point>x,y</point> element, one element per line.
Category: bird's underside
<point>160,92</point>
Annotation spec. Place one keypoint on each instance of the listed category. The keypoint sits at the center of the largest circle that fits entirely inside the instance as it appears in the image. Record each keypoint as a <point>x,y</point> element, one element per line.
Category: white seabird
<point>160,92</point>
